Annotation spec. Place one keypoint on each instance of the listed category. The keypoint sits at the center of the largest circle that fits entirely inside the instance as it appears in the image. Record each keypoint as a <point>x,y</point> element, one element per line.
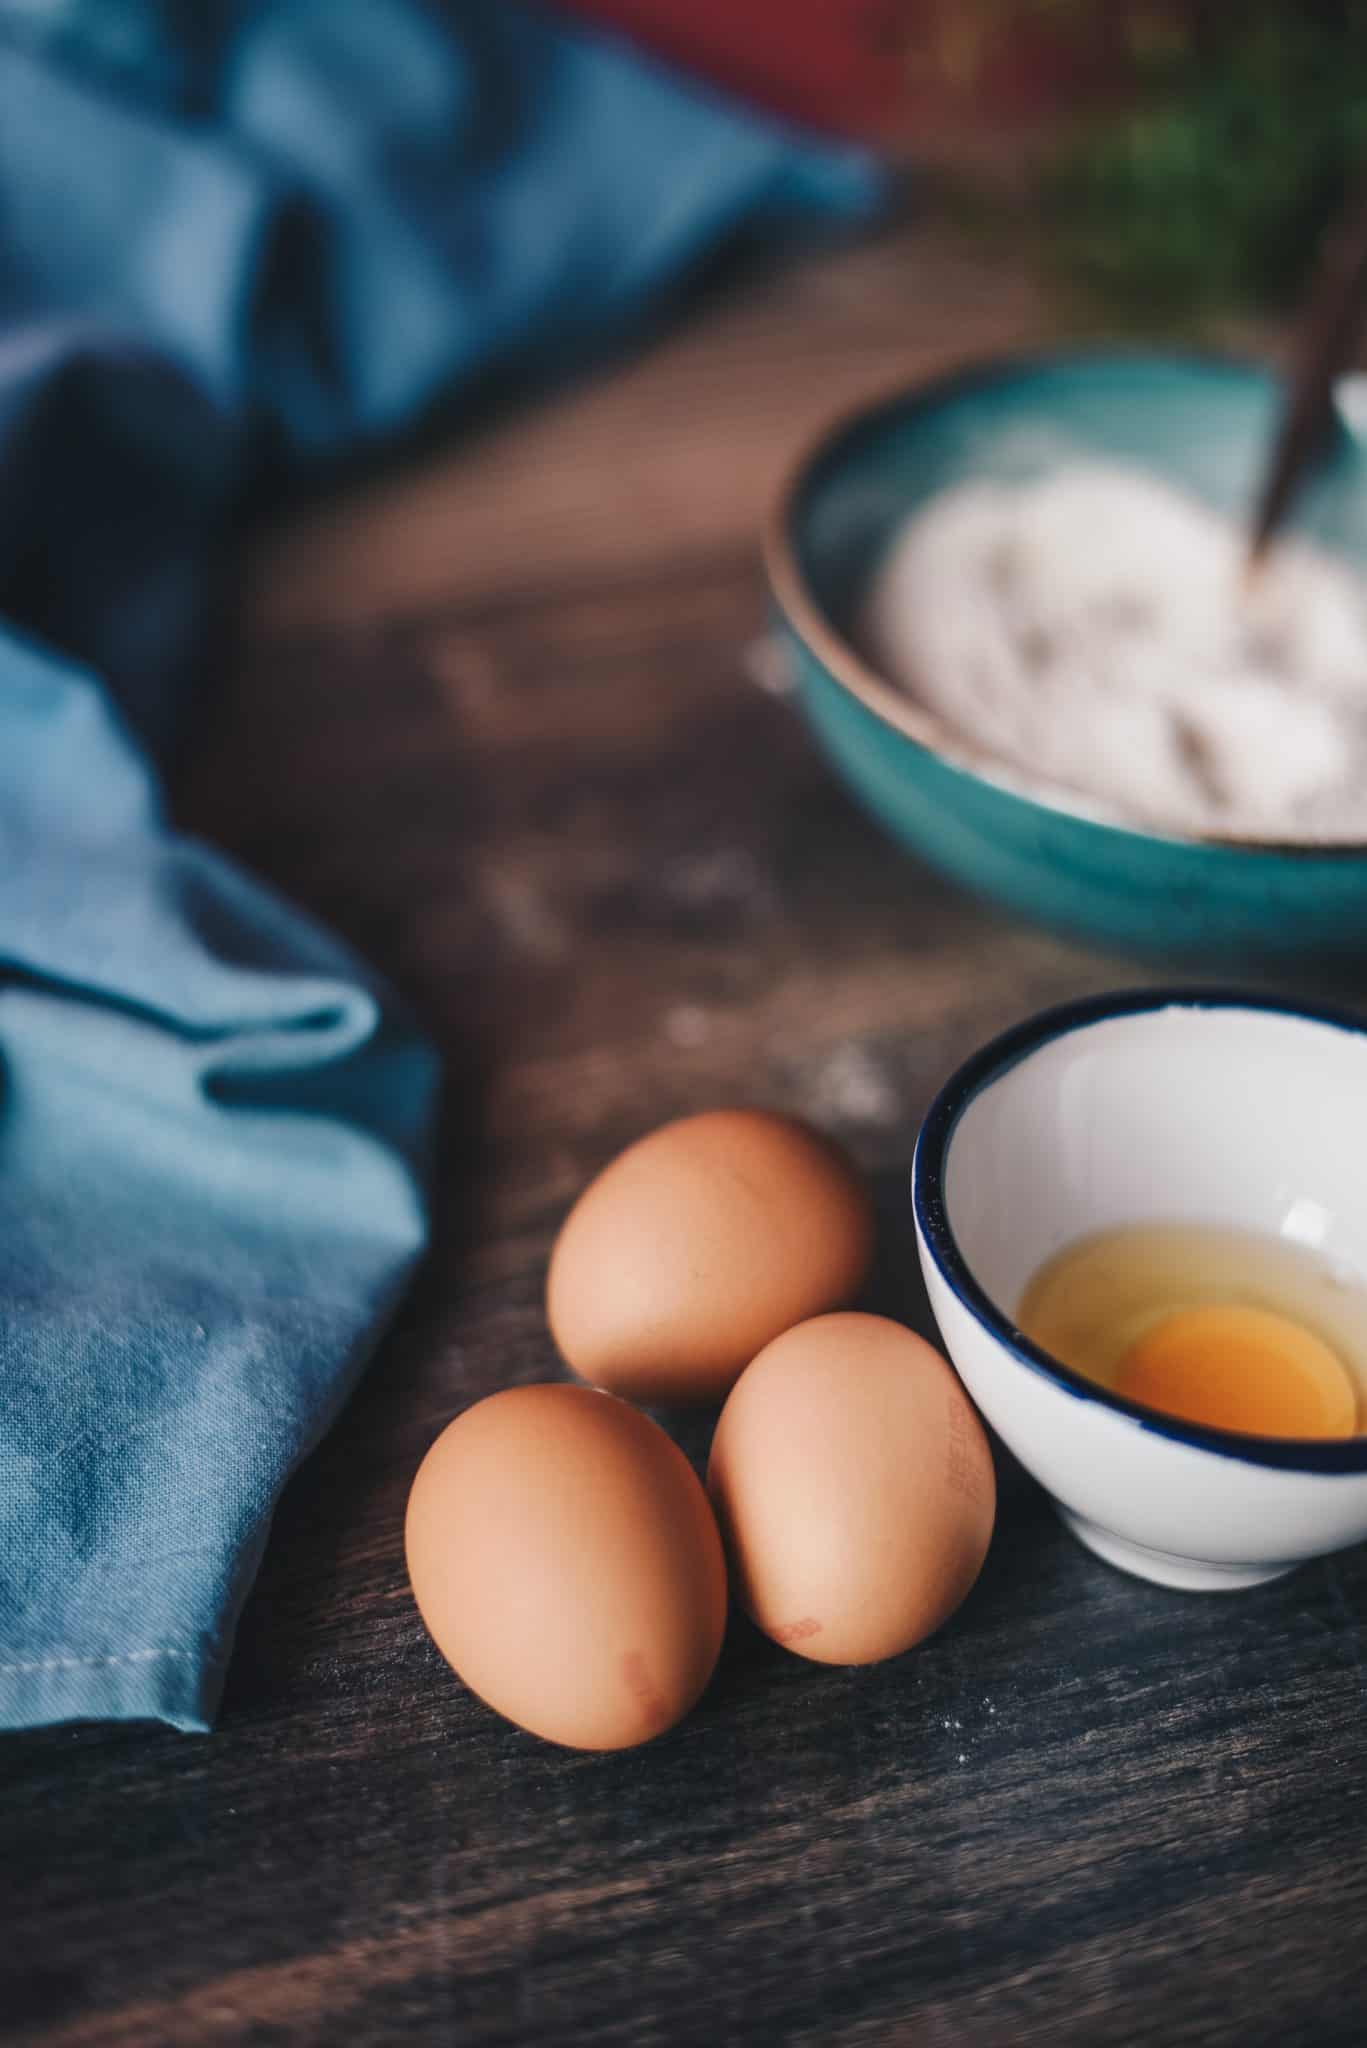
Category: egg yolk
<point>1240,1368</point>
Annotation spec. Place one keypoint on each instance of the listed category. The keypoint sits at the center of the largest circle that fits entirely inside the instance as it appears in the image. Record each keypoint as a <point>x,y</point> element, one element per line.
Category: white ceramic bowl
<point>1155,1106</point>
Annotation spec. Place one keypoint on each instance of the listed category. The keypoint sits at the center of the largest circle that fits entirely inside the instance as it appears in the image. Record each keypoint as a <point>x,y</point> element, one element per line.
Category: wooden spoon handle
<point>1324,343</point>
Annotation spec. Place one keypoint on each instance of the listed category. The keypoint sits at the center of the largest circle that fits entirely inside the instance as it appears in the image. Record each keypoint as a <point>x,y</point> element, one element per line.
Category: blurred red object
<point>835,63</point>
<point>920,71</point>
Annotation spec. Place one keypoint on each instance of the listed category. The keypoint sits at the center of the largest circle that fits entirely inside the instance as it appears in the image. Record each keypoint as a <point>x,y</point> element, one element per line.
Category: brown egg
<point>568,1566</point>
<point>854,1486</point>
<point>700,1243</point>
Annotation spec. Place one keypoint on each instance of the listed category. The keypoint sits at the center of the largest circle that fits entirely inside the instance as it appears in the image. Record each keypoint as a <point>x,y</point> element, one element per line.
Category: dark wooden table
<point>500,718</point>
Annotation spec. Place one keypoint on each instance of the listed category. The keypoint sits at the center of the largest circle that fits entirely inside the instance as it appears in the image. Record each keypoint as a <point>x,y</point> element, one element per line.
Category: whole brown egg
<point>699,1244</point>
<point>567,1564</point>
<point>854,1487</point>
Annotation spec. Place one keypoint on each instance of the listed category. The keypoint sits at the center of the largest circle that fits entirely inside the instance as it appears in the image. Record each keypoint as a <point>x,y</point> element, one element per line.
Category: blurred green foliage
<point>1206,194</point>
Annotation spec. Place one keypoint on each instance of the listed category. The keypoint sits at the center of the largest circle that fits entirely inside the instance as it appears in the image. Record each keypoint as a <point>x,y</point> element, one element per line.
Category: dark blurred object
<point>1208,195</point>
<point>1332,325</point>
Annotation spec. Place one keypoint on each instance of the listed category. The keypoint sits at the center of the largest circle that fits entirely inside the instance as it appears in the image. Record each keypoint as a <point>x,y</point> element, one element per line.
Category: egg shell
<point>854,1486</point>
<point>567,1564</point>
<point>700,1243</point>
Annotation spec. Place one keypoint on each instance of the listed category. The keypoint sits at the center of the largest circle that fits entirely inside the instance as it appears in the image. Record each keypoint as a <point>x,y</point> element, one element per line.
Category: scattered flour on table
<point>1094,628</point>
<point>853,1087</point>
<point>687,1026</point>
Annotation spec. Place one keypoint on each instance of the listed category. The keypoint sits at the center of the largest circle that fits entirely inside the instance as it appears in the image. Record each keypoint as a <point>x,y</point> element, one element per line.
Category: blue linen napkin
<point>254,233</point>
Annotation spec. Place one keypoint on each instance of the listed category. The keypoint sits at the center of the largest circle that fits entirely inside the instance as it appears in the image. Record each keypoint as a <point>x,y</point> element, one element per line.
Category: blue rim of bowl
<point>806,617</point>
<point>989,1064</point>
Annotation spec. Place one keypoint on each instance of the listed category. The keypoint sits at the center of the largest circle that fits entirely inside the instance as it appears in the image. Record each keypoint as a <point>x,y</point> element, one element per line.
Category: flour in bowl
<point>1094,628</point>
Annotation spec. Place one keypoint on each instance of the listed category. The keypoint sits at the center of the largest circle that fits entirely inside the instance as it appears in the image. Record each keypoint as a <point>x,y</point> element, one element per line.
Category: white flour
<point>1092,628</point>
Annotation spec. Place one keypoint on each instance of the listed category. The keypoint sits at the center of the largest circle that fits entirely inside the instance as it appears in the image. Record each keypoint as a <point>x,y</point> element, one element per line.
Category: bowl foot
<point>1165,1567</point>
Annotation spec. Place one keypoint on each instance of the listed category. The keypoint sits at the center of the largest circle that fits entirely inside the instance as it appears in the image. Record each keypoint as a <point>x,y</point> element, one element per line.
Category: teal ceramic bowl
<point>1044,851</point>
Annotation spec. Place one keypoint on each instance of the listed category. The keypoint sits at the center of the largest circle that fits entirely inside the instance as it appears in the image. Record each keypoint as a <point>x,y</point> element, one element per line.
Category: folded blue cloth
<point>230,237</point>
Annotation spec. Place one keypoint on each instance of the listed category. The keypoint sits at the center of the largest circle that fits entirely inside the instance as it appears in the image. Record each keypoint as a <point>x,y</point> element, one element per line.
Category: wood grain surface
<point>502,719</point>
